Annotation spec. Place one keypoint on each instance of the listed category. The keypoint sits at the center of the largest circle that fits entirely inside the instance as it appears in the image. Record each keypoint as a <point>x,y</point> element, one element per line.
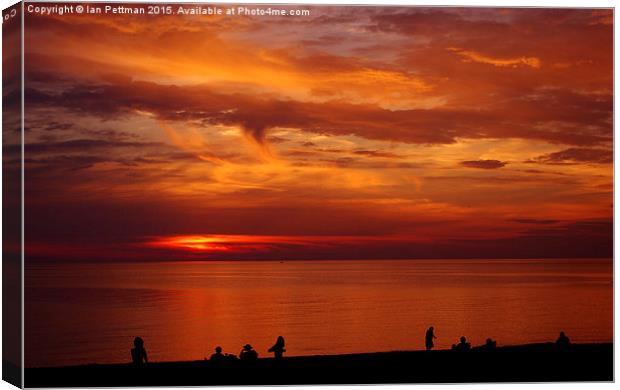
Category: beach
<point>525,363</point>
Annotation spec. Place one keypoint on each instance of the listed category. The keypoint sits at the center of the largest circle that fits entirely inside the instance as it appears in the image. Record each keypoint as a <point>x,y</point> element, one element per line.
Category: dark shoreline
<point>524,363</point>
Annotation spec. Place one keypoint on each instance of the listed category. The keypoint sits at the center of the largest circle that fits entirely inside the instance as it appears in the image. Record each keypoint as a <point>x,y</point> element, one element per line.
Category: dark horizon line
<point>118,261</point>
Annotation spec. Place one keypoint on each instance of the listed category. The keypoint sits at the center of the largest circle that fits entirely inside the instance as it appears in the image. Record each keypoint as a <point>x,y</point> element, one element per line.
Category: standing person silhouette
<point>138,353</point>
<point>430,335</point>
<point>278,348</point>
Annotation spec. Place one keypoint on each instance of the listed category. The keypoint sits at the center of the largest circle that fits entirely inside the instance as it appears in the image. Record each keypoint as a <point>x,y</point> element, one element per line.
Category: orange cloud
<point>532,62</point>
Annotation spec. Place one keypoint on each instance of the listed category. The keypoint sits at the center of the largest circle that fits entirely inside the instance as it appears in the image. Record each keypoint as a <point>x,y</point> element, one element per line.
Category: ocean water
<point>90,313</point>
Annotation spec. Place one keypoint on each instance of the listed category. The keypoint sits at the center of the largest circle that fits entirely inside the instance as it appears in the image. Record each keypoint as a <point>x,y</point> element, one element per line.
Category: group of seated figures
<point>490,344</point>
<point>139,356</point>
<point>248,353</point>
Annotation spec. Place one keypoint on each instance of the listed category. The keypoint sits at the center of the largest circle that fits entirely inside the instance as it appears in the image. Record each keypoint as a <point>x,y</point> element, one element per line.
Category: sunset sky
<point>351,133</point>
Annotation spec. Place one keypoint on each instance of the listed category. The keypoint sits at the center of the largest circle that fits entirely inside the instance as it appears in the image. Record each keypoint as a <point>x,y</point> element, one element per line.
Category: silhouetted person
<point>563,341</point>
<point>463,345</point>
<point>218,356</point>
<point>248,353</point>
<point>138,353</point>
<point>430,335</point>
<point>490,344</point>
<point>278,348</point>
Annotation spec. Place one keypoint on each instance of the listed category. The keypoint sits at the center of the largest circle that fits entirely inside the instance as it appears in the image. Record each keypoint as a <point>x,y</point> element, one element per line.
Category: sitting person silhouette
<point>138,353</point>
<point>563,341</point>
<point>463,345</point>
<point>490,344</point>
<point>278,348</point>
<point>218,356</point>
<point>248,353</point>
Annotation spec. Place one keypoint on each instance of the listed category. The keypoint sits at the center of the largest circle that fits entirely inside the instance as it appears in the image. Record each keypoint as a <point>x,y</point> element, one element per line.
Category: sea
<point>82,313</point>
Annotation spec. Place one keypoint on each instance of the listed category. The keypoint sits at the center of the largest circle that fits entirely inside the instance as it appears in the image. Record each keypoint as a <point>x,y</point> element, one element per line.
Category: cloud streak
<point>484,164</point>
<point>578,155</point>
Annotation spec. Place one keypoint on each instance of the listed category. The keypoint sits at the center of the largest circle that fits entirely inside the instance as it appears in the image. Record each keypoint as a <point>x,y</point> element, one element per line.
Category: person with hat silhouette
<point>248,353</point>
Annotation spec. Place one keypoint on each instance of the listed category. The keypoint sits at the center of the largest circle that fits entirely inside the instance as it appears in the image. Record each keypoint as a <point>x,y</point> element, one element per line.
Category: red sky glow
<point>351,133</point>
